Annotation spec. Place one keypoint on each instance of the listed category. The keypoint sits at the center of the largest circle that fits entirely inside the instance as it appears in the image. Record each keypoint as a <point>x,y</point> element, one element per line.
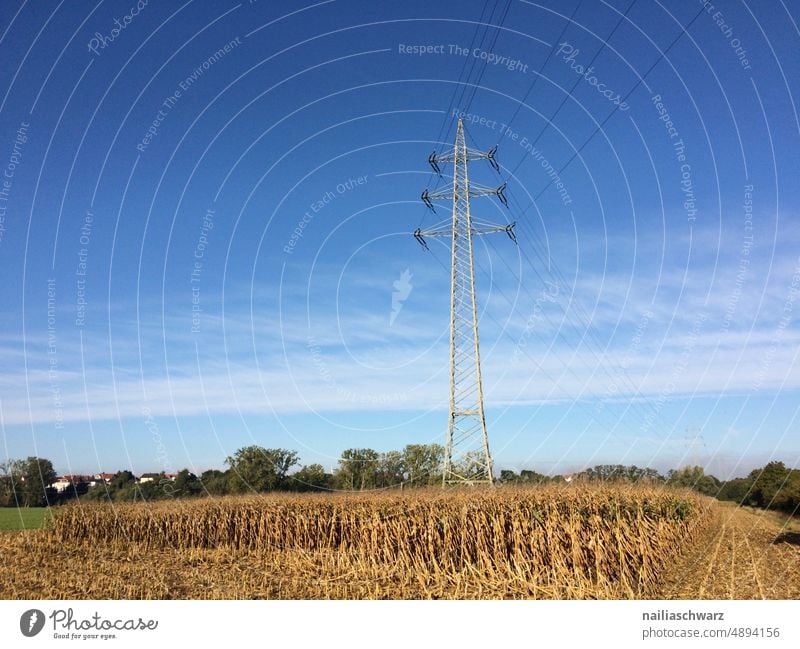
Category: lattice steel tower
<point>467,456</point>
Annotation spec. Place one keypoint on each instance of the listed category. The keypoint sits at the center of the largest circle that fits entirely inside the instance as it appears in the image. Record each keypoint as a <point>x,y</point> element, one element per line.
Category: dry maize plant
<point>547,542</point>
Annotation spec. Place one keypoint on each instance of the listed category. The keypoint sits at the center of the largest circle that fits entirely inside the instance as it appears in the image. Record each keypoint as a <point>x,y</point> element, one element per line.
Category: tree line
<point>26,483</point>
<point>774,486</point>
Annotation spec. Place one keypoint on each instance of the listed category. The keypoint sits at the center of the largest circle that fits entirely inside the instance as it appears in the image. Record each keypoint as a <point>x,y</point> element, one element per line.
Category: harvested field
<point>550,542</point>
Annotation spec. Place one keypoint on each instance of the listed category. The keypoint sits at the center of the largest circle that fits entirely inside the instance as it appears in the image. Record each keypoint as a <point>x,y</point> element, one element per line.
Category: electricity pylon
<point>694,444</point>
<point>467,457</point>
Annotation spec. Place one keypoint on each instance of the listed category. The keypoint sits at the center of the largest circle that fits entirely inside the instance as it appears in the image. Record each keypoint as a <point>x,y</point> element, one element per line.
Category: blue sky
<point>206,212</point>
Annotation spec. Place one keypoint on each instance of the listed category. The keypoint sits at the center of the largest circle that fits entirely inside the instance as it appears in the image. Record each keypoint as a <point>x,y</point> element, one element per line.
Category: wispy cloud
<point>341,354</point>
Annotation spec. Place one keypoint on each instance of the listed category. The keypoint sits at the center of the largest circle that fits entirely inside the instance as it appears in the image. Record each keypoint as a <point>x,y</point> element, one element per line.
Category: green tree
<point>532,476</point>
<point>790,493</point>
<point>391,469</point>
<point>768,484</point>
<point>423,464</point>
<point>36,474</point>
<point>144,491</point>
<point>99,492</point>
<point>311,478</point>
<point>651,475</point>
<point>186,484</point>
<point>471,466</point>
<point>254,468</point>
<point>524,476</point>
<point>773,486</point>
<point>694,477</point>
<point>121,480</point>
<point>10,480</point>
<point>358,469</point>
<point>737,490</point>
<point>214,482</point>
<point>620,473</point>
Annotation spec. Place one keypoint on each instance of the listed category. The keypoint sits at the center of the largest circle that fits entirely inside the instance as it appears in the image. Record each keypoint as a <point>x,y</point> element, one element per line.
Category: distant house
<point>149,477</point>
<point>72,482</point>
<point>103,477</point>
<point>61,485</point>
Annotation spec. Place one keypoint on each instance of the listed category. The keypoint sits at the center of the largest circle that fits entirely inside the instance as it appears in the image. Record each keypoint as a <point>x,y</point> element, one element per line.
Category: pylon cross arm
<point>474,191</point>
<point>469,154</point>
<point>489,228</point>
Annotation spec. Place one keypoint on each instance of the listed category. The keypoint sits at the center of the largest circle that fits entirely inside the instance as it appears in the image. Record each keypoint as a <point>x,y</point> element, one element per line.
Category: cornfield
<point>551,542</point>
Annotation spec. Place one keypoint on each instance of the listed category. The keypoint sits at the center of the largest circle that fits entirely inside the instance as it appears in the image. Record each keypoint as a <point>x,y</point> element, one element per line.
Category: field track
<point>746,555</point>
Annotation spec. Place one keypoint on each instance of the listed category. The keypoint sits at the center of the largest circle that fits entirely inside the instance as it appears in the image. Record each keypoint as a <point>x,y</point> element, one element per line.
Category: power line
<point>614,110</point>
<point>592,413</point>
<point>476,85</point>
<point>575,85</point>
<point>541,69</point>
<point>583,320</point>
<point>461,84</point>
<point>447,121</point>
<point>552,264</point>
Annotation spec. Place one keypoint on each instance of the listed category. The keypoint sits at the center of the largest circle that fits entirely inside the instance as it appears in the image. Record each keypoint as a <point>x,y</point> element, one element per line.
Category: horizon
<point>206,223</point>
<point>725,472</point>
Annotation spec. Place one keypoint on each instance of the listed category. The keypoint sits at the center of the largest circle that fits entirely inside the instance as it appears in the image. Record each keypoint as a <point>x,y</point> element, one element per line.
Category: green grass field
<point>12,518</point>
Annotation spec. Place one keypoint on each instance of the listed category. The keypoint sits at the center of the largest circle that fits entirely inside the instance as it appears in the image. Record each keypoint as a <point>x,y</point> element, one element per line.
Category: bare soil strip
<point>745,555</point>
